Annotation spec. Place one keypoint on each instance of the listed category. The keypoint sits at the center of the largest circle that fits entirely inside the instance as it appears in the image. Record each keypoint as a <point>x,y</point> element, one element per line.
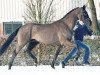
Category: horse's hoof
<point>9,68</point>
<point>35,64</point>
<point>52,66</point>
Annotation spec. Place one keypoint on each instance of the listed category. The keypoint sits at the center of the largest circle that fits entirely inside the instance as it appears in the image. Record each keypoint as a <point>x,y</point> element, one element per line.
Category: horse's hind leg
<point>31,45</point>
<point>15,52</point>
<point>56,55</point>
<point>12,59</point>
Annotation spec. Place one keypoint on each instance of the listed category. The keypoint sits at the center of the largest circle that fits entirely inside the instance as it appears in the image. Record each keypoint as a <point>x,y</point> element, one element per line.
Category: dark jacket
<point>81,31</point>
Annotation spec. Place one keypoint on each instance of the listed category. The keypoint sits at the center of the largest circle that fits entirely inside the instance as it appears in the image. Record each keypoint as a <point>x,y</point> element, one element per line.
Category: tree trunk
<point>94,16</point>
<point>39,11</point>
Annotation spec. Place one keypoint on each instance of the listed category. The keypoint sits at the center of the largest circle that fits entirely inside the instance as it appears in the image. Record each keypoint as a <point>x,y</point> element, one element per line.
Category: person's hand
<point>93,37</point>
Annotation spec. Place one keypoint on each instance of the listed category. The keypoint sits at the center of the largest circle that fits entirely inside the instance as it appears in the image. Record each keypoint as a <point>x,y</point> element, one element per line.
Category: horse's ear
<point>84,7</point>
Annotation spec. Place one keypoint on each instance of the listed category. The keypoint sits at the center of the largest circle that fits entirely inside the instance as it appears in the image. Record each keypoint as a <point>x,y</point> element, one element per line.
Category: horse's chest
<point>67,34</point>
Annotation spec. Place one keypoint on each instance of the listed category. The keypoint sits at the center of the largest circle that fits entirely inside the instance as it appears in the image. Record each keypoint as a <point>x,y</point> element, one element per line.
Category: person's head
<point>80,22</point>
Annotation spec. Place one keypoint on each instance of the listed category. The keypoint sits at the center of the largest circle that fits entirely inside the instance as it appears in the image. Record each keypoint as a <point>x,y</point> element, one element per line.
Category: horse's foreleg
<point>65,41</point>
<point>31,45</point>
<point>56,55</point>
<point>69,43</point>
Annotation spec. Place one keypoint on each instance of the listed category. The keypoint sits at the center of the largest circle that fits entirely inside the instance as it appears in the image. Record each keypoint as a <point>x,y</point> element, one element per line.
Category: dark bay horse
<point>59,32</point>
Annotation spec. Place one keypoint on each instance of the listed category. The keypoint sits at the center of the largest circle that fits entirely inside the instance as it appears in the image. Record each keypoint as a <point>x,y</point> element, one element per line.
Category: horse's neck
<point>70,21</point>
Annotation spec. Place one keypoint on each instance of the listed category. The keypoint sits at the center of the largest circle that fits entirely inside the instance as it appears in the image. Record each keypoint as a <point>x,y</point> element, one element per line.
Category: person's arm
<point>76,26</point>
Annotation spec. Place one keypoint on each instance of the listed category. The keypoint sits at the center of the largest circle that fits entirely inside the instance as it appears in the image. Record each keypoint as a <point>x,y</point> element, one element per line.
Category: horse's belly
<point>46,38</point>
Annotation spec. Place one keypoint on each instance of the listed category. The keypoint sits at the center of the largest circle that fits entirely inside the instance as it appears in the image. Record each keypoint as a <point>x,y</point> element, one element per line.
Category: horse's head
<point>83,15</point>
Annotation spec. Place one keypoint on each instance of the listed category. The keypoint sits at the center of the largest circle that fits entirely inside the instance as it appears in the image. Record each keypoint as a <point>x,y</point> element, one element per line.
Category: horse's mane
<point>70,12</point>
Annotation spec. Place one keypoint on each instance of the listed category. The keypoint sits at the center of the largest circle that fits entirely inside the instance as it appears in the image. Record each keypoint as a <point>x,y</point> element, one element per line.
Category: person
<point>80,30</point>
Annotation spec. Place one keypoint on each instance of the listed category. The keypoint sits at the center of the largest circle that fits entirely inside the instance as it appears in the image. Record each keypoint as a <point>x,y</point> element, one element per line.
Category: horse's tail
<point>8,41</point>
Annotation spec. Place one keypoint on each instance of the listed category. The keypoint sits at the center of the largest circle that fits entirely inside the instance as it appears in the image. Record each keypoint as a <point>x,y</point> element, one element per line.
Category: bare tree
<point>39,11</point>
<point>94,15</point>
